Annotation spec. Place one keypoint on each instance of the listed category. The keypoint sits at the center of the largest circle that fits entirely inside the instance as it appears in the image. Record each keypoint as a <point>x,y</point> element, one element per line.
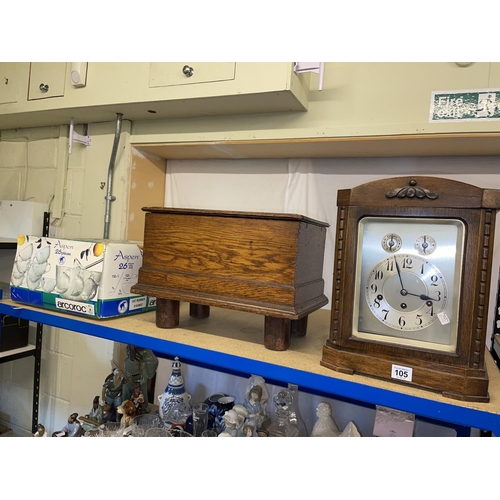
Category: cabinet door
<point>46,80</point>
<point>170,74</point>
<point>9,82</point>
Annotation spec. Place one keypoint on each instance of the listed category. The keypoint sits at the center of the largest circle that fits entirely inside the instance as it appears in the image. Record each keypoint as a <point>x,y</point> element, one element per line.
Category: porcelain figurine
<point>231,422</point>
<point>256,398</point>
<point>140,366</point>
<point>138,399</point>
<point>95,417</point>
<point>350,431</point>
<point>127,412</point>
<point>72,429</point>
<point>325,426</point>
<point>112,392</point>
<point>40,431</point>
<point>242,412</point>
<point>96,412</point>
<point>247,430</point>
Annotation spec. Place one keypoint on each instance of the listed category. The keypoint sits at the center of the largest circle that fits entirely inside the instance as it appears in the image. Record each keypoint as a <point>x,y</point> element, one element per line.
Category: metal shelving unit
<point>215,343</point>
<point>30,350</point>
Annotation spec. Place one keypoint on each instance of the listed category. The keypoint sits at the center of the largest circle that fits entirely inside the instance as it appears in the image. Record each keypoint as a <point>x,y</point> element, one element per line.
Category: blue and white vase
<point>175,393</point>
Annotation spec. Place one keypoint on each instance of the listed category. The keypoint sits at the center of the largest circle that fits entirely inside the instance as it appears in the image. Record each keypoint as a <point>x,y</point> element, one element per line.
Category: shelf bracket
<point>311,67</point>
<point>74,136</point>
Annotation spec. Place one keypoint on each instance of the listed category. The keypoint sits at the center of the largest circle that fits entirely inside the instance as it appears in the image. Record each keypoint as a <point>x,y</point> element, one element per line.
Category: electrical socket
<point>53,231</point>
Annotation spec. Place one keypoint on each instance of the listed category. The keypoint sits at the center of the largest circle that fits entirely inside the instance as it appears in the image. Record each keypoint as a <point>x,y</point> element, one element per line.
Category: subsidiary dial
<point>391,242</point>
<point>425,245</point>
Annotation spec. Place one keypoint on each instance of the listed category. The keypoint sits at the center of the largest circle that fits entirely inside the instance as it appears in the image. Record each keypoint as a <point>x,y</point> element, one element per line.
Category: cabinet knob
<point>44,87</point>
<point>188,70</point>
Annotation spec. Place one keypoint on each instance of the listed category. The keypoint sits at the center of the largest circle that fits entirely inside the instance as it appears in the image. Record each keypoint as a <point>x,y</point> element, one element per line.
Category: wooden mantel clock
<point>411,283</point>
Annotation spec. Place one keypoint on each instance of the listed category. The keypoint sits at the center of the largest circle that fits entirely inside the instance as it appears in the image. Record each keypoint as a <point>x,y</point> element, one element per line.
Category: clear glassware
<point>295,417</point>
<point>157,432</point>
<point>282,426</point>
<point>144,422</point>
<point>111,429</point>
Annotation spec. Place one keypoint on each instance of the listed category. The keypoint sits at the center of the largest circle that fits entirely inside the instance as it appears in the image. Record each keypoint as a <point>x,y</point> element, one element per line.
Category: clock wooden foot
<point>465,397</point>
<point>277,333</point>
<point>455,383</point>
<point>299,327</point>
<point>167,313</point>
<point>199,311</point>
<point>339,369</point>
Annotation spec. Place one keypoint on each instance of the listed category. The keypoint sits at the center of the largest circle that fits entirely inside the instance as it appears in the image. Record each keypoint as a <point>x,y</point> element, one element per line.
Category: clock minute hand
<point>399,274</point>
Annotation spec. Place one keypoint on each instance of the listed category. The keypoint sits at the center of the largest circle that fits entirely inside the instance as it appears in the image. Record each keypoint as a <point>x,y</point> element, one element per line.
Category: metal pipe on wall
<point>109,197</point>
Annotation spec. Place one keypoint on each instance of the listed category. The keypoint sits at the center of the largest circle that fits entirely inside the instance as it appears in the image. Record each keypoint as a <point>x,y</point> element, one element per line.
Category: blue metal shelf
<point>484,416</point>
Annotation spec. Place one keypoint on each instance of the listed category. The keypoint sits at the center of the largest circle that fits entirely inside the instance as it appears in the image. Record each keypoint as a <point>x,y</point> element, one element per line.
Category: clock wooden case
<point>411,283</point>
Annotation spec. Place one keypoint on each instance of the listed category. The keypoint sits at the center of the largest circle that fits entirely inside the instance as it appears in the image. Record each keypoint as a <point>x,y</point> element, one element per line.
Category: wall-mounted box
<point>21,217</point>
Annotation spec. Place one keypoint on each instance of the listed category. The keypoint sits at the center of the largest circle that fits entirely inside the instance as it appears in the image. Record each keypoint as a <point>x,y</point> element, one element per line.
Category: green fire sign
<point>465,105</point>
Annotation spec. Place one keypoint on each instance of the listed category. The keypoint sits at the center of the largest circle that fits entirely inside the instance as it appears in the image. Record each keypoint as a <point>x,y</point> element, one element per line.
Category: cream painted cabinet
<point>146,91</point>
<point>46,80</point>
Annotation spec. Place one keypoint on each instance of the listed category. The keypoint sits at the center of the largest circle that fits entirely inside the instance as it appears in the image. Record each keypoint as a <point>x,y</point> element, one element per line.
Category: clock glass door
<point>408,274</point>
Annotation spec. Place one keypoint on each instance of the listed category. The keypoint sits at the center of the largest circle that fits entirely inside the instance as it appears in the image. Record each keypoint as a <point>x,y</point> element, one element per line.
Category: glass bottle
<point>282,426</point>
<point>295,417</point>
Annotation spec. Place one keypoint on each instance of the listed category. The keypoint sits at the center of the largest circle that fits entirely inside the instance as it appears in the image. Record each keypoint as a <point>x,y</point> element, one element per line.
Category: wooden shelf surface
<point>457,144</point>
<point>233,341</point>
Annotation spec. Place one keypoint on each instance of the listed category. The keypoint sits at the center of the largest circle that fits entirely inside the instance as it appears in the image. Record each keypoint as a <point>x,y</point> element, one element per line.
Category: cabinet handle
<point>188,70</point>
<point>44,87</point>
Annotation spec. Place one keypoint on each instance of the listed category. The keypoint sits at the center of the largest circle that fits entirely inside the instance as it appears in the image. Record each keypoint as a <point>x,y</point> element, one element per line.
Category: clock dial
<point>410,297</point>
<point>406,292</point>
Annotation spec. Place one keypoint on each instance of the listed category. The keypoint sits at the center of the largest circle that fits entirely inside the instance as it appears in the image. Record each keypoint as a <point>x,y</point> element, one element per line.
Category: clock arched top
<point>420,191</point>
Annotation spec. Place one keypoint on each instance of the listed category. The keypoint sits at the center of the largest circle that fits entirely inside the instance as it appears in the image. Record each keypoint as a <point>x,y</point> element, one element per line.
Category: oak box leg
<point>199,311</point>
<point>277,333</point>
<point>167,313</point>
<point>299,327</point>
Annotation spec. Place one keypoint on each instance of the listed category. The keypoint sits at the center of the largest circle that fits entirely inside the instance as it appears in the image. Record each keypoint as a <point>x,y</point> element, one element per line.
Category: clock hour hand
<point>422,296</point>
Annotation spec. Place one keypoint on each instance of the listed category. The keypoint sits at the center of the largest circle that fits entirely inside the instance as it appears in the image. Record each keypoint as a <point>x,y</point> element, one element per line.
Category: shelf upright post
<point>38,348</point>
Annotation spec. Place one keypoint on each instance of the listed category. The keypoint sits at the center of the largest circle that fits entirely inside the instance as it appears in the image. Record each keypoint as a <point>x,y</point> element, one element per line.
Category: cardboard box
<point>85,277</point>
